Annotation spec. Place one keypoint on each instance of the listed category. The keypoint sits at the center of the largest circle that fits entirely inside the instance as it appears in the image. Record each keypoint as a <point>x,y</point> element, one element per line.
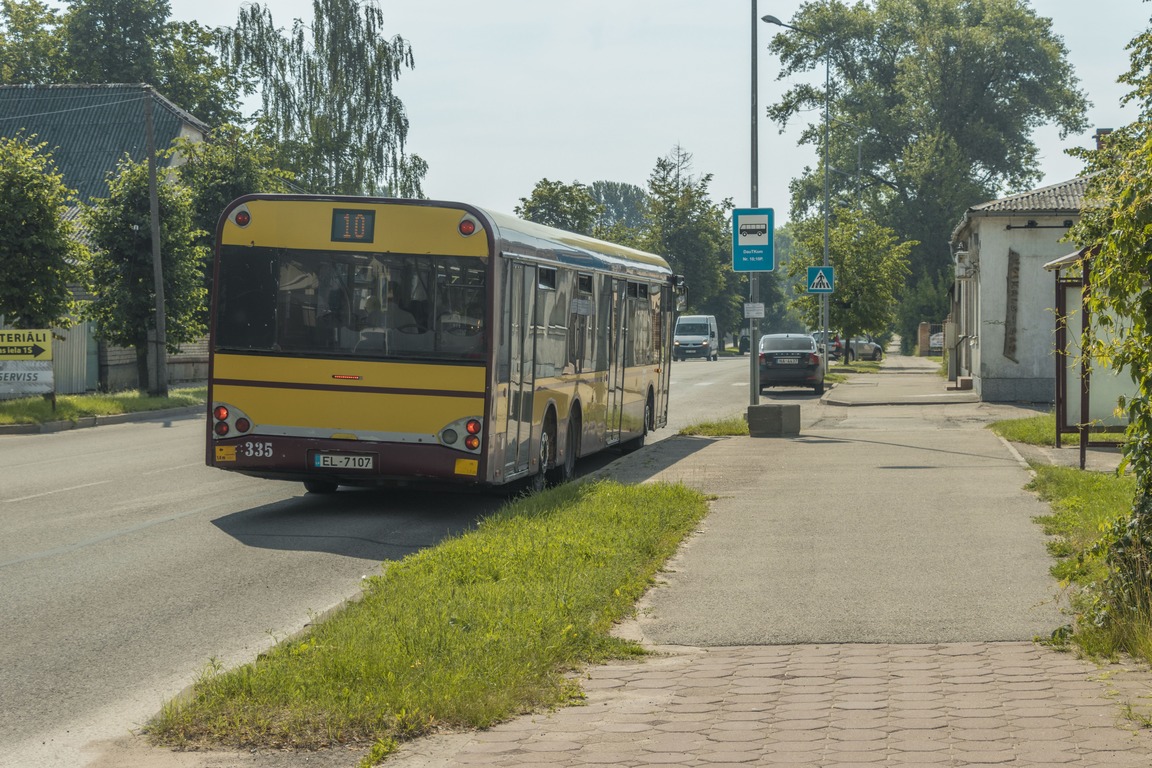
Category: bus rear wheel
<point>566,470</point>
<point>539,480</point>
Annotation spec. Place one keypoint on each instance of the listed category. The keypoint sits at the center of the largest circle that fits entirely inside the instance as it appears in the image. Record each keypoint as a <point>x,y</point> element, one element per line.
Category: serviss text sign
<point>25,363</point>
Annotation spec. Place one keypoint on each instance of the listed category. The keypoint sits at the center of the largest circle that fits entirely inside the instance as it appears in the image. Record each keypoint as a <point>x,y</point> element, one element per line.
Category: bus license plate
<point>344,461</point>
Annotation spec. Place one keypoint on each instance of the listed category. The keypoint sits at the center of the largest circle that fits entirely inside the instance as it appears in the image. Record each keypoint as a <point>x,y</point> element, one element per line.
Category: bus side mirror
<point>681,290</point>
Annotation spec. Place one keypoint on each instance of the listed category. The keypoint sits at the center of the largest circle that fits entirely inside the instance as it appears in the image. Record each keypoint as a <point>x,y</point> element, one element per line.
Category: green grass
<point>856,366</point>
<point>38,410</point>
<point>1032,430</point>
<point>737,425</point>
<point>1084,507</point>
<point>473,631</point>
<point>1041,430</point>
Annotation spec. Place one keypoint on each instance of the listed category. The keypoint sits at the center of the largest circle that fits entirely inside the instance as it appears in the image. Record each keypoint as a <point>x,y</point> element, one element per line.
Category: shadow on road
<point>649,461</point>
<point>381,525</point>
<point>370,524</point>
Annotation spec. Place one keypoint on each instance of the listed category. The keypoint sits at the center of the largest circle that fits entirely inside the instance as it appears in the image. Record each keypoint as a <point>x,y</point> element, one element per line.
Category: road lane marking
<point>58,490</point>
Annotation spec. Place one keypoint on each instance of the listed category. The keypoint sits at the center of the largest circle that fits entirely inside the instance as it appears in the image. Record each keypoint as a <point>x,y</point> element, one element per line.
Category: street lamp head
<point>773,20</point>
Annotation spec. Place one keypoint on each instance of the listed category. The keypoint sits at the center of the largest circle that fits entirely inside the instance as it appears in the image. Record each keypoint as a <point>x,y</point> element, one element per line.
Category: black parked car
<point>790,359</point>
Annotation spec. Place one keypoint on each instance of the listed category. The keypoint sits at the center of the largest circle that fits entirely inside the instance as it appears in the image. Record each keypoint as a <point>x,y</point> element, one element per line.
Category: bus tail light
<point>468,226</point>
<point>471,427</point>
<point>227,420</point>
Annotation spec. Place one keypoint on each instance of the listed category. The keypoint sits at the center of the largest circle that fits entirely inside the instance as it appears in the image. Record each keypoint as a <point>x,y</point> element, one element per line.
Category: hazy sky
<point>507,92</point>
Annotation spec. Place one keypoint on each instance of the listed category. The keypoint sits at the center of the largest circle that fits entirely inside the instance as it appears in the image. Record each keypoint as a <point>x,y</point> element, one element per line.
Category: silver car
<point>864,348</point>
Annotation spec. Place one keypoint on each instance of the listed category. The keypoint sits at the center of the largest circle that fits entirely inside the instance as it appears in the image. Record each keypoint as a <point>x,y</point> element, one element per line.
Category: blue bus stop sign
<point>753,240</point>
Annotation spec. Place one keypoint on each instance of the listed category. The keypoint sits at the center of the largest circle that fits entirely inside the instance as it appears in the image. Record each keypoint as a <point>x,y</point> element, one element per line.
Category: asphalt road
<point>126,565</point>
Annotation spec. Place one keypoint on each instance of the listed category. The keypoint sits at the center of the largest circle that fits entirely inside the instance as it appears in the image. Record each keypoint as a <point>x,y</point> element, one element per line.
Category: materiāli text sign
<point>25,345</point>
<point>25,363</point>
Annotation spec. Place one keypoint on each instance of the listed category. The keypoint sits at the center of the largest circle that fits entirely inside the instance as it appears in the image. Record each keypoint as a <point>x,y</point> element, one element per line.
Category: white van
<point>696,336</point>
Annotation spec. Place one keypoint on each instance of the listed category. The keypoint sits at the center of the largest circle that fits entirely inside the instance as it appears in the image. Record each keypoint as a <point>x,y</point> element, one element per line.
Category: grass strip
<point>1041,430</point>
<point>473,631</point>
<point>1084,506</point>
<point>735,425</point>
<point>38,410</point>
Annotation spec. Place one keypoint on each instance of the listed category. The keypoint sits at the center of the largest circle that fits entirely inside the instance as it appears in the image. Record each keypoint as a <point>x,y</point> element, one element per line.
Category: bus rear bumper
<point>345,462</point>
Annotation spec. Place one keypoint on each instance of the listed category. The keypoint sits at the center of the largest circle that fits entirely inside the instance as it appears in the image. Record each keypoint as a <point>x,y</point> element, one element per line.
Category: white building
<point>1003,302</point>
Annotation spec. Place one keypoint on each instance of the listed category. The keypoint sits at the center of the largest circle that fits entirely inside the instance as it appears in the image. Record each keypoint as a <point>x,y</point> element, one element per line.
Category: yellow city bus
<point>374,342</point>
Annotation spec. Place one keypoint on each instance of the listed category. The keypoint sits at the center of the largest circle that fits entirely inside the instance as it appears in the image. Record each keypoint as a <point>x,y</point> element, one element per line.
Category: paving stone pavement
<point>833,706</point>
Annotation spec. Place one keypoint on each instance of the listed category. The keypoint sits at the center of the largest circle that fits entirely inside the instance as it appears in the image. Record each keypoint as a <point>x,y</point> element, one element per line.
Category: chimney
<point>1100,134</point>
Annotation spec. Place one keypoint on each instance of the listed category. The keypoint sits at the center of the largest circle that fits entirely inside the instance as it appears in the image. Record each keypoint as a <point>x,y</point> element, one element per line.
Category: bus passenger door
<point>521,351</point>
<point>616,334</point>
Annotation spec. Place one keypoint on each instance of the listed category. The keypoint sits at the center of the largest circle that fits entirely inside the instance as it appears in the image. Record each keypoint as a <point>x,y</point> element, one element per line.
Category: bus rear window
<point>350,304</point>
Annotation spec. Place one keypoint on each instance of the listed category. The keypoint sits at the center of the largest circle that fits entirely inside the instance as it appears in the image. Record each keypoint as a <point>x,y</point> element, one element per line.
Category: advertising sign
<point>25,363</point>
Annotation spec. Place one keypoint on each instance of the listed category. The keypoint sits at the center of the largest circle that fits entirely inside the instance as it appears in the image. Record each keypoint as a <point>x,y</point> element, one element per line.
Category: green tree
<point>935,101</point>
<point>925,301</point>
<point>327,96</point>
<point>566,206</point>
<point>120,277</point>
<point>37,245</point>
<point>620,204</point>
<point>692,233</point>
<point>871,265</point>
<point>191,75</point>
<point>1116,226</point>
<point>31,43</point>
<point>230,162</point>
<point>115,41</point>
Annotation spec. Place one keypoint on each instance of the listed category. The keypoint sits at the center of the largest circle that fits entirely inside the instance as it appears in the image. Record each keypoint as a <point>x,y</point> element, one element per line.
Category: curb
<point>50,427</point>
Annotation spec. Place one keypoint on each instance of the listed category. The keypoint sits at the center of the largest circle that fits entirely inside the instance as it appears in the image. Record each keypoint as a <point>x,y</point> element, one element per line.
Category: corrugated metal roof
<point>1065,197</point>
<point>89,128</point>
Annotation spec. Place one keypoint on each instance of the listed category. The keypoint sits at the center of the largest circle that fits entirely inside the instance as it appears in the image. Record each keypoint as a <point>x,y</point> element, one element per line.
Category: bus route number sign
<point>352,225</point>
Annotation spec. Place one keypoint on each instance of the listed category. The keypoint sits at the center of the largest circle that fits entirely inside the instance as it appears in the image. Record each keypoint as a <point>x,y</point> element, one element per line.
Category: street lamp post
<point>753,281</point>
<point>827,208</point>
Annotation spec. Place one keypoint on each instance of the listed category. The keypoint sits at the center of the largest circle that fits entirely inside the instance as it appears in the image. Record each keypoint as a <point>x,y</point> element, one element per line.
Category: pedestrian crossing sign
<point>821,279</point>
